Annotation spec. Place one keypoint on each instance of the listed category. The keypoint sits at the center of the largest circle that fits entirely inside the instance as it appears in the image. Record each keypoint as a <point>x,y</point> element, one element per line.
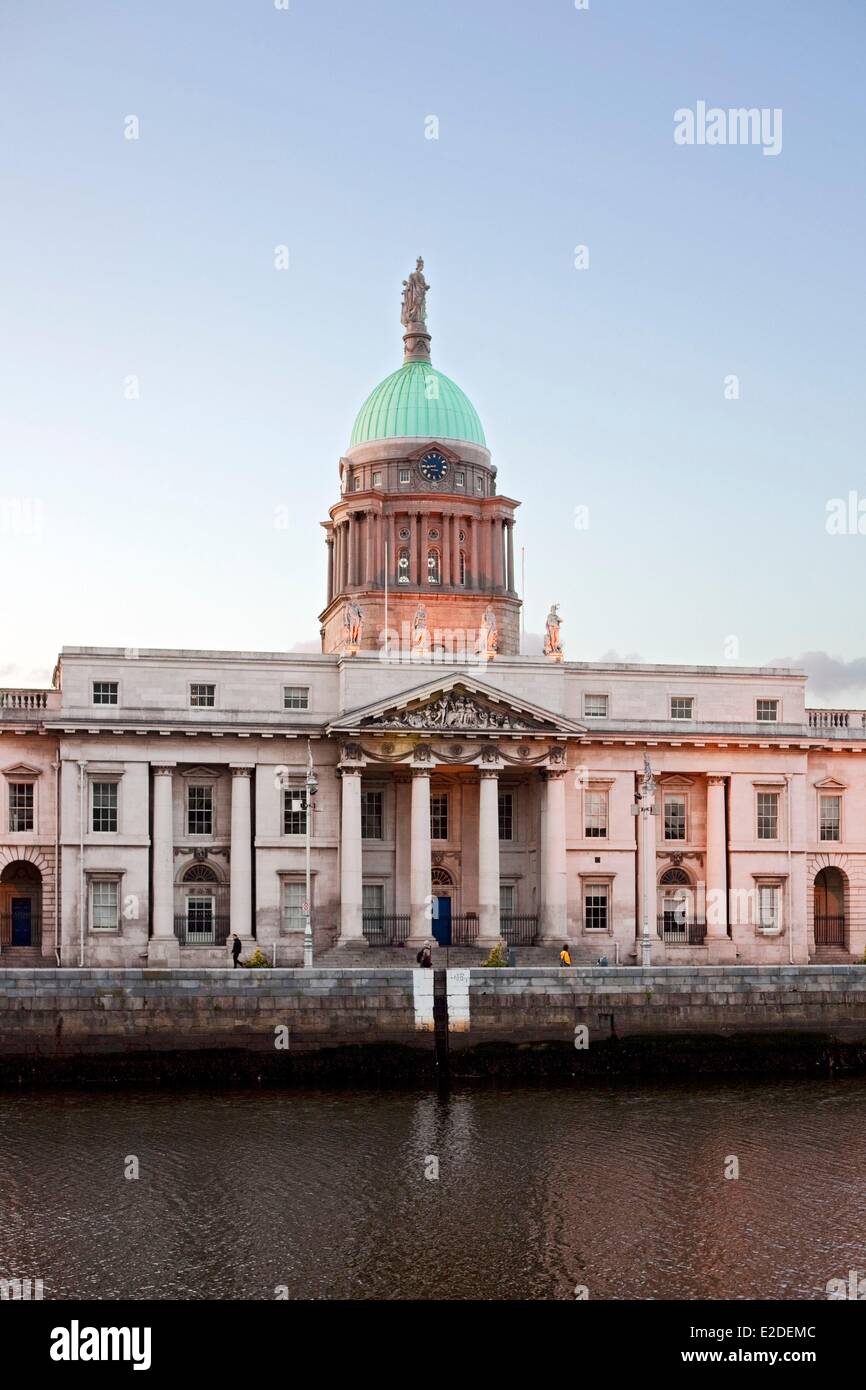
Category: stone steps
<point>25,958</point>
<point>832,955</point>
<point>444,957</point>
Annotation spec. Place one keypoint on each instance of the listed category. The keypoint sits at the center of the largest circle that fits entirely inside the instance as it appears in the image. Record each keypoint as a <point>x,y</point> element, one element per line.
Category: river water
<point>326,1193</point>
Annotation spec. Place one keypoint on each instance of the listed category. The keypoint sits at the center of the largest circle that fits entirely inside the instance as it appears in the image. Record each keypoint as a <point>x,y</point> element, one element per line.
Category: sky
<point>679,406</point>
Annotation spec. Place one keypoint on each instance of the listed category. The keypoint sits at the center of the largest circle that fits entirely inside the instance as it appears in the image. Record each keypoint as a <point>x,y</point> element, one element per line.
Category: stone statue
<point>552,642</point>
<point>353,626</point>
<point>420,635</point>
<point>488,637</point>
<point>414,310</point>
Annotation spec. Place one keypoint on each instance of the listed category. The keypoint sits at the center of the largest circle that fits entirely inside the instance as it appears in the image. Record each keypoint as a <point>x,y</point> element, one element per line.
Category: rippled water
<point>539,1190</point>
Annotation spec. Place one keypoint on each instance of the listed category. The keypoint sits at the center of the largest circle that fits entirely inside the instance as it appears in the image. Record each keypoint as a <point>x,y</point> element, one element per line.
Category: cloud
<point>305,647</point>
<point>830,678</point>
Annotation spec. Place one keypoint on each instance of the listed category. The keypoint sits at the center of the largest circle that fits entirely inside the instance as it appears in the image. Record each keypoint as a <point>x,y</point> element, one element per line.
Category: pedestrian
<point>236,950</point>
<point>425,958</point>
<point>565,955</point>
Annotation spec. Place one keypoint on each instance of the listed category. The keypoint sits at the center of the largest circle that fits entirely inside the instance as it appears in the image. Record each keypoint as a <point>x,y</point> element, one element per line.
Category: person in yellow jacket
<point>565,956</point>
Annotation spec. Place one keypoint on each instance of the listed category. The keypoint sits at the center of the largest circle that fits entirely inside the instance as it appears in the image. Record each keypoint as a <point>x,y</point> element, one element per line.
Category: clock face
<point>433,466</point>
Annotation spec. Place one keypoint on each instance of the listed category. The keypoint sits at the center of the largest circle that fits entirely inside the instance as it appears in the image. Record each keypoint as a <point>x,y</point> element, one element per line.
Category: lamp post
<point>311,786</point>
<point>646,808</point>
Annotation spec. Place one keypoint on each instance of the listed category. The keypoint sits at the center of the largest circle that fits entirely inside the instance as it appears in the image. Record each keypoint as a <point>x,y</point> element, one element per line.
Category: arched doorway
<point>829,912</point>
<point>201,913</point>
<point>20,904</point>
<point>675,905</point>
<point>443,899</point>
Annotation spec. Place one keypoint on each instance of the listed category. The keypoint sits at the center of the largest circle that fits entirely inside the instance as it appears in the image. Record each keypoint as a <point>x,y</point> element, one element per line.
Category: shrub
<point>258,961</point>
<point>498,956</point>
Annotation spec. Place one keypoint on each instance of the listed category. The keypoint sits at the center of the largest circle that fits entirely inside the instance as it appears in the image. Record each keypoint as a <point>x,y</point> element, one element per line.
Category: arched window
<point>200,873</point>
<point>434,567</point>
<point>403,565</point>
<point>675,908</point>
<point>463,567</point>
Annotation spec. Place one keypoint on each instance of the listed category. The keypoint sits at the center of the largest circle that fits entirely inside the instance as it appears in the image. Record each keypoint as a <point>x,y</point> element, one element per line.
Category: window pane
<point>768,711</point>
<point>202,696</point>
<point>831,818</point>
<point>768,905</point>
<point>595,706</point>
<point>105,692</point>
<point>768,816</point>
<point>595,906</point>
<point>20,805</point>
<point>104,805</point>
<point>595,815</point>
<point>104,906</point>
<point>371,815</point>
<point>675,818</point>
<point>506,816</point>
<point>296,697</point>
<point>294,814</point>
<point>293,906</point>
<point>681,706</point>
<point>439,816</point>
<point>507,896</point>
<point>373,899</point>
<point>200,811</point>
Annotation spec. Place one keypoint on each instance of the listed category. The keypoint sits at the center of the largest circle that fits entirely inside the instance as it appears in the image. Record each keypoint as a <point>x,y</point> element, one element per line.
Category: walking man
<point>236,950</point>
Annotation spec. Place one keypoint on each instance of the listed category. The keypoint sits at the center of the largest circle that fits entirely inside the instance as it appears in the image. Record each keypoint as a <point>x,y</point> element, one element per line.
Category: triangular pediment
<point>22,770</point>
<point>830,784</point>
<point>461,704</point>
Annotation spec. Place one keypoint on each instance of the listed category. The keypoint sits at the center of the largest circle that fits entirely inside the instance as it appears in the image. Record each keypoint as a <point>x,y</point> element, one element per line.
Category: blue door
<point>21,921</point>
<point>442,921</point>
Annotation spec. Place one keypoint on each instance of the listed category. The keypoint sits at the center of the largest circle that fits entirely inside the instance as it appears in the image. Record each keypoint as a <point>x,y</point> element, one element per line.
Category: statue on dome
<point>552,640</point>
<point>353,626</point>
<point>488,635</point>
<point>414,310</point>
<point>420,635</point>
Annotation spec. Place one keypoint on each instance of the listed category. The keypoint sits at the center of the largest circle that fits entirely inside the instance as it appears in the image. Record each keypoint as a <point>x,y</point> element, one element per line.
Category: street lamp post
<point>646,808</point>
<point>311,786</point>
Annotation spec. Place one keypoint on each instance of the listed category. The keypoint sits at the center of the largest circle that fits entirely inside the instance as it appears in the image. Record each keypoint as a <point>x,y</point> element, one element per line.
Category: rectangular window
<point>104,806</point>
<point>595,815</point>
<point>768,815</point>
<point>404,475</point>
<point>768,906</point>
<point>294,813</point>
<point>373,900</point>
<point>831,818</point>
<point>202,696</point>
<point>595,707</point>
<point>768,711</point>
<point>675,818</point>
<point>20,806</point>
<point>595,906</point>
<point>507,899</point>
<point>439,816</point>
<point>371,815</point>
<point>459,479</point>
<point>104,905</point>
<point>682,707</point>
<point>506,815</point>
<point>105,692</point>
<point>296,697</point>
<point>293,906</point>
<point>200,915</point>
<point>377,479</point>
<point>356,483</point>
<point>199,814</point>
<point>479,484</point>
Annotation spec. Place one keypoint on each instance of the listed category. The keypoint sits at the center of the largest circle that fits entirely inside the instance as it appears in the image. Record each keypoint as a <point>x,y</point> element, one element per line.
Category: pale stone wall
<point>25,757</point>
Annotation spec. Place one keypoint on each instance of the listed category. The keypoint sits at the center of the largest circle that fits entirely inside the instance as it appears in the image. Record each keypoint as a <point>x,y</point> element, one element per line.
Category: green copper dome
<point>406,404</point>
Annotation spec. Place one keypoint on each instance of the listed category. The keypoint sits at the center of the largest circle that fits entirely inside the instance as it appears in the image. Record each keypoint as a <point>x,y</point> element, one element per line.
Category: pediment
<point>22,770</point>
<point>459,703</point>
<point>830,784</point>
<point>414,455</point>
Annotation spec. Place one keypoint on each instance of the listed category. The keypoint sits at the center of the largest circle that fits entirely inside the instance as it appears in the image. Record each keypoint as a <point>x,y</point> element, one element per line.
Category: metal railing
<point>194,931</point>
<point>380,930</point>
<point>829,931</point>
<point>464,929</point>
<point>6,931</point>
<point>682,932</point>
<point>518,931</point>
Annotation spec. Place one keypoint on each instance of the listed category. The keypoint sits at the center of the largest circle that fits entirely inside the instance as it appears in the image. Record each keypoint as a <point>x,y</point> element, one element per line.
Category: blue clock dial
<point>433,466</point>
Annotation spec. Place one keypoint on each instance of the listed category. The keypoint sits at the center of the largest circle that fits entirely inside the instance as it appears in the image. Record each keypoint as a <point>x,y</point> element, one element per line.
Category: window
<point>507,899</point>
<point>377,479</point>
<point>459,479</point>
<point>463,567</point>
<point>595,707</point>
<point>296,697</point>
<point>20,806</point>
<point>294,813</point>
<point>682,707</point>
<point>479,484</point>
<point>371,815</point>
<point>104,905</point>
<point>104,806</point>
<point>768,711</point>
<point>403,565</point>
<point>199,811</point>
<point>373,900</point>
<point>595,906</point>
<point>768,906</point>
<point>675,817</point>
<point>434,567</point>
<point>202,696</point>
<point>356,483</point>
<point>506,815</point>
<point>595,815</point>
<point>830,826</point>
<point>105,692</point>
<point>404,475</point>
<point>439,816</point>
<point>768,815</point>
<point>200,917</point>
<point>294,918</point>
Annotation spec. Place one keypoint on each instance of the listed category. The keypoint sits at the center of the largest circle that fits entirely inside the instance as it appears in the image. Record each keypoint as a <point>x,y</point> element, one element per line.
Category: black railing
<point>464,930</point>
<point>384,931</point>
<point>6,931</point>
<point>202,931</point>
<point>518,931</point>
<point>680,932</point>
<point>829,931</point>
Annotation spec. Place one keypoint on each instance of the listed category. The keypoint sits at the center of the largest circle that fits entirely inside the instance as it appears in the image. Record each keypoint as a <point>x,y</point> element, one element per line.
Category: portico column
<point>717,876</point>
<point>420,876</point>
<point>510,585</point>
<point>554,922</point>
<point>488,857</point>
<point>240,898</point>
<point>330,544</point>
<point>163,949</point>
<point>351,881</point>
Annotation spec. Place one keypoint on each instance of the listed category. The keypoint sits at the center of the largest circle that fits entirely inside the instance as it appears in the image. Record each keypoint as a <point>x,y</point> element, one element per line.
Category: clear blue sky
<point>601,388</point>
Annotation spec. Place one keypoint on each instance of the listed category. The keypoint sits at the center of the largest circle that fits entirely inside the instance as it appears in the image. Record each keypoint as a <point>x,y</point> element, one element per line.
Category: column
<point>554,925</point>
<point>717,869</point>
<point>338,559</point>
<point>455,551</point>
<point>370,567</point>
<point>392,554</point>
<point>344,556</point>
<point>512,588</point>
<point>351,881</point>
<point>475,557</point>
<point>241,864</point>
<point>402,842</point>
<point>418,574</point>
<point>488,857</point>
<point>420,880</point>
<point>163,949</point>
<point>446,550</point>
<point>330,544</point>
